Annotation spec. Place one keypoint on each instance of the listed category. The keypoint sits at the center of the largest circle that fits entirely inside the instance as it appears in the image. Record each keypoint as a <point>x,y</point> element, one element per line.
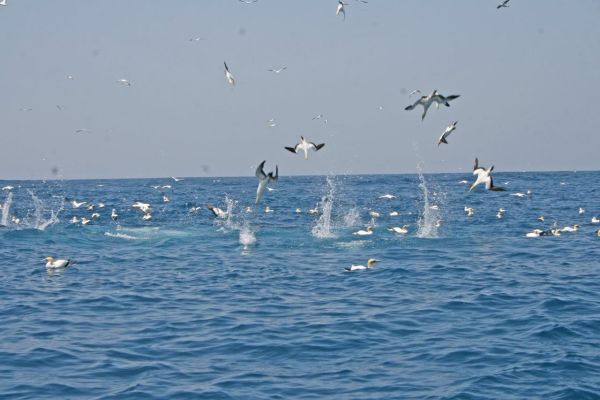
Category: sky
<point>528,78</point>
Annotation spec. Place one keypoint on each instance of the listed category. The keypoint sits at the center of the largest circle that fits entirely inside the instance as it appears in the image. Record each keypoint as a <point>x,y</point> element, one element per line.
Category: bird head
<point>48,259</point>
<point>372,261</point>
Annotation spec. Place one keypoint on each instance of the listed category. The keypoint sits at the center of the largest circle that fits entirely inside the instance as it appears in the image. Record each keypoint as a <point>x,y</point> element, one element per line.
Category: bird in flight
<point>275,70</point>
<point>264,179</point>
<point>503,4</point>
<point>340,9</point>
<point>305,146</point>
<point>228,75</point>
<point>434,97</point>
<point>447,133</point>
<point>484,176</point>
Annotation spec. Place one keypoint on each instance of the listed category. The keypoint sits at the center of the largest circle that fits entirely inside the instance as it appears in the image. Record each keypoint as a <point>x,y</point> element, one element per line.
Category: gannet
<point>277,70</point>
<point>8,187</point>
<point>15,220</point>
<point>581,210</point>
<point>394,214</point>
<point>268,209</point>
<point>195,209</point>
<point>595,220</point>
<point>3,3</point>
<point>447,133</point>
<point>77,204</point>
<point>374,214</point>
<point>147,217</point>
<point>124,82</point>
<point>305,146</point>
<point>166,186</point>
<point>165,198</point>
<point>248,209</point>
<point>217,211</point>
<point>340,9</point>
<point>503,4</point>
<point>228,75</point>
<point>362,232</point>
<point>502,210</point>
<point>100,205</point>
<point>499,215</point>
<point>52,263</point>
<point>387,196</point>
<point>85,221</point>
<point>427,101</point>
<point>541,218</point>
<point>90,207</point>
<point>370,263</point>
<point>264,179</point>
<point>484,176</point>
<point>598,232</point>
<point>95,216</point>
<point>313,211</point>
<point>298,210</point>
<point>463,182</point>
<point>143,207</point>
<point>74,220</point>
<point>470,211</point>
<point>403,230</point>
<point>176,179</point>
<point>534,233</point>
<point>573,228</point>
<point>113,215</point>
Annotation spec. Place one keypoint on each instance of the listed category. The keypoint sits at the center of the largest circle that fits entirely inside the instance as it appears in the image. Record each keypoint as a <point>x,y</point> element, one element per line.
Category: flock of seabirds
<point>483,175</point>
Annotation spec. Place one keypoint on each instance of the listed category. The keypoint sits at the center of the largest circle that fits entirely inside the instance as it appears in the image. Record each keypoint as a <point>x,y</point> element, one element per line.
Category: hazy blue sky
<point>528,76</point>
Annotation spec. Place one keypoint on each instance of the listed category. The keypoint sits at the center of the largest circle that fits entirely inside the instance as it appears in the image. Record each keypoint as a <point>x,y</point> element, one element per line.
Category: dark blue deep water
<point>258,306</point>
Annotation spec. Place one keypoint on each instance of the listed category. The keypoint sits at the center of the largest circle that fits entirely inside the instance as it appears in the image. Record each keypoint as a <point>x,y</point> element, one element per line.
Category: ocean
<point>259,305</point>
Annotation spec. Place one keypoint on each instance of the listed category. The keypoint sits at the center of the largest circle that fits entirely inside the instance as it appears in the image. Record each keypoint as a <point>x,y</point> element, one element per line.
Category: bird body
<point>484,176</point>
<point>305,146</point>
<point>217,212</point>
<point>400,230</point>
<point>427,101</point>
<point>363,232</point>
<point>340,9</point>
<point>447,133</point>
<point>264,180</point>
<point>228,75</point>
<point>369,265</point>
<point>52,263</point>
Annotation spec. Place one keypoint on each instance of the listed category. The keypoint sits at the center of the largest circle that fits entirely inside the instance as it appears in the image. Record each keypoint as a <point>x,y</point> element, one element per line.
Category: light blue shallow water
<point>177,307</point>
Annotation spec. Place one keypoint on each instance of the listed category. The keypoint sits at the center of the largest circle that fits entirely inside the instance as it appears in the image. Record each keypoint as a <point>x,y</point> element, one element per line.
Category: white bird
<point>394,214</point>
<point>52,263</point>
<point>3,3</point>
<point>195,209</point>
<point>595,220</point>
<point>74,220</point>
<point>90,207</point>
<point>277,70</point>
<point>196,39</point>
<point>95,216</point>
<point>313,211</point>
<point>100,205</point>
<point>305,146</point>
<point>143,207</point>
<point>268,209</point>
<point>581,210</point>
<point>463,182</point>
<point>85,221</point>
<point>541,218</point>
<point>165,198</point>
<point>573,228</point>
<point>264,179</point>
<point>447,133</point>
<point>166,187</point>
<point>124,82</point>
<point>503,4</point>
<point>598,232</point>
<point>374,214</point>
<point>217,211</point>
<point>403,230</point>
<point>387,196</point>
<point>298,210</point>
<point>362,232</point>
<point>176,179</point>
<point>248,1</point>
<point>370,263</point>
<point>340,9</point>
<point>248,209</point>
<point>519,194</point>
<point>499,215</point>
<point>434,97</point>
<point>534,233</point>
<point>147,217</point>
<point>8,187</point>
<point>484,176</point>
<point>113,215</point>
<point>228,75</point>
<point>470,211</point>
<point>77,204</point>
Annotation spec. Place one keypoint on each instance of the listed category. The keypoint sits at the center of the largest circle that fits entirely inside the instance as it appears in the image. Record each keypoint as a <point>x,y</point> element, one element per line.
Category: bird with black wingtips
<point>503,4</point>
<point>340,9</point>
<point>484,176</point>
<point>449,129</point>
<point>305,146</point>
<point>57,263</point>
<point>229,75</point>
<point>264,179</point>
<point>427,101</point>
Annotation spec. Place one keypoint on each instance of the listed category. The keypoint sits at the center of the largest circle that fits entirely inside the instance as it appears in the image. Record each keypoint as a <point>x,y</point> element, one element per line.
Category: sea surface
<point>259,306</point>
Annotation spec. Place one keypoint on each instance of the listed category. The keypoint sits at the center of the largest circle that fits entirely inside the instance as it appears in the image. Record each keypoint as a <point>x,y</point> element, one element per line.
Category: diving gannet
<point>305,146</point>
<point>484,176</point>
<point>595,220</point>
<point>370,263</point>
<point>217,211</point>
<point>340,9</point>
<point>427,101</point>
<point>447,133</point>
<point>52,263</point>
<point>228,75</point>
<point>264,179</point>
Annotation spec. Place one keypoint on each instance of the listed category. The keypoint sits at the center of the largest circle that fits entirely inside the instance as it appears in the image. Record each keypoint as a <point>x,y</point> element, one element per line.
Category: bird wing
<point>260,173</point>
<point>317,147</point>
<point>292,149</point>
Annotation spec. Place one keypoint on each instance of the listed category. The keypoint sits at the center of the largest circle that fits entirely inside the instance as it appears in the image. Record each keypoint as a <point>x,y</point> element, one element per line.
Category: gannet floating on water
<point>447,133</point>
<point>598,232</point>
<point>268,209</point>
<point>581,210</point>
<point>503,4</point>
<point>264,179</point>
<point>595,220</point>
<point>573,228</point>
<point>95,216</point>
<point>143,207</point>
<point>387,196</point>
<point>313,211</point>
<point>52,263</point>
<point>228,75</point>
<point>166,198</point>
<point>470,211</point>
<point>147,217</point>
<point>484,176</point>
<point>248,209</point>
<point>370,263</point>
<point>305,146</point>
<point>394,214</point>
<point>534,233</point>
<point>217,211</point>
<point>434,97</point>
<point>362,232</point>
<point>85,221</point>
<point>340,9</point>
<point>74,220</point>
<point>400,230</point>
<point>298,210</point>
<point>374,214</point>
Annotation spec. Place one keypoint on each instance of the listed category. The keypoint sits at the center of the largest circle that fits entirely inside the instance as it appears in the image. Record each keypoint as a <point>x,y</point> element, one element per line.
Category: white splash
<point>247,237</point>
<point>6,209</point>
<point>323,229</point>
<point>351,218</point>
<point>429,216</point>
<point>39,221</point>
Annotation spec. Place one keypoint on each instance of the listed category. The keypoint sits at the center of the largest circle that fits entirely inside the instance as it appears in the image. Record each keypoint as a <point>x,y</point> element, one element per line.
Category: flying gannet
<point>484,176</point>
<point>52,263</point>
<point>503,4</point>
<point>447,133</point>
<point>427,101</point>
<point>340,9</point>
<point>305,146</point>
<point>228,75</point>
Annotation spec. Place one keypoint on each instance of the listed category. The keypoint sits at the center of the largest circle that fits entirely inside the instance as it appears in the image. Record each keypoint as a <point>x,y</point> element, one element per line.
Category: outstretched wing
<point>292,149</point>
<point>317,147</point>
<point>260,173</point>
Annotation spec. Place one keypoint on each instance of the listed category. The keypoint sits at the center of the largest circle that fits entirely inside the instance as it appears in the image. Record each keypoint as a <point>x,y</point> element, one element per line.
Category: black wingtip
<point>320,146</point>
<point>290,149</point>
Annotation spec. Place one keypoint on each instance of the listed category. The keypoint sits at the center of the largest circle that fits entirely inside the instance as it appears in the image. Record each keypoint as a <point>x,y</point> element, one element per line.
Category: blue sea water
<point>258,305</point>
